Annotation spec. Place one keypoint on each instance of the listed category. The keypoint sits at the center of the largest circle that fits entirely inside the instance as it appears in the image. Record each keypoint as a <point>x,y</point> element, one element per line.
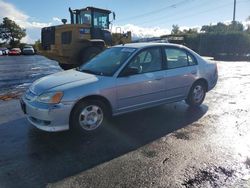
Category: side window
<point>145,57</point>
<point>85,18</point>
<point>176,58</point>
<point>66,37</point>
<point>149,60</point>
<point>191,60</point>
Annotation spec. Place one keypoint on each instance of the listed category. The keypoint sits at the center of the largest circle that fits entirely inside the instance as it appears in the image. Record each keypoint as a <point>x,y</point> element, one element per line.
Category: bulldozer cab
<point>87,34</point>
<point>94,17</point>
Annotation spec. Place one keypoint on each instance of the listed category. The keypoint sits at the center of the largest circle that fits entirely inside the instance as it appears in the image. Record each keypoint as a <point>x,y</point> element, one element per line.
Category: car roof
<point>147,44</point>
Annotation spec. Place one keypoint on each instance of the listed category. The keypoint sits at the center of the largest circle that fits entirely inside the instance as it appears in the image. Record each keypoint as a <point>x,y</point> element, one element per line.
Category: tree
<point>248,25</point>
<point>175,30</point>
<point>223,28</point>
<point>10,32</point>
<point>190,31</point>
<point>236,26</point>
<point>38,45</point>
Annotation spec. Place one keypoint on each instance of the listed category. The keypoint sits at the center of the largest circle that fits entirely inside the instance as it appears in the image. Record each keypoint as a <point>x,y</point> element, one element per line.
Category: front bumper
<point>14,54</point>
<point>47,117</point>
<point>28,52</point>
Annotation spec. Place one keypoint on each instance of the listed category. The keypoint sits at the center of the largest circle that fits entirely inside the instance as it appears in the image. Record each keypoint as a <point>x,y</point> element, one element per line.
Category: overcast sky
<point>143,18</point>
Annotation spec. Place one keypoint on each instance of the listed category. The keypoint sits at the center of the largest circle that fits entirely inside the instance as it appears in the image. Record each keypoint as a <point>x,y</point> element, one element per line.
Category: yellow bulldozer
<point>87,35</point>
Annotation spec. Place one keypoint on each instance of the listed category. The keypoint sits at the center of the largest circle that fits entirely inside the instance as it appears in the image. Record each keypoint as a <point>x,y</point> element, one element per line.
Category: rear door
<point>147,86</point>
<point>181,72</point>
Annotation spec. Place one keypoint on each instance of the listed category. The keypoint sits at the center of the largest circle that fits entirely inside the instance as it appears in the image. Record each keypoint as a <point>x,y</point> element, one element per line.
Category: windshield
<point>16,49</point>
<point>101,20</point>
<point>108,62</point>
<point>98,19</point>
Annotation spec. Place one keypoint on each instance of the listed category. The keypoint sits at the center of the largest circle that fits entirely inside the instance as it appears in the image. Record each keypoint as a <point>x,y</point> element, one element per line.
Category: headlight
<point>51,98</point>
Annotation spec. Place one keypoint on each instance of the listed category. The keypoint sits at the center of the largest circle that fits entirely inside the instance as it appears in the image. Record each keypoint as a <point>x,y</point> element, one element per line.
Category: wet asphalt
<point>167,146</point>
<point>18,72</point>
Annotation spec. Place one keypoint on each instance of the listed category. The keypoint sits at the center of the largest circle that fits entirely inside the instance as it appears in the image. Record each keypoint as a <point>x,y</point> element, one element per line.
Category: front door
<point>145,87</point>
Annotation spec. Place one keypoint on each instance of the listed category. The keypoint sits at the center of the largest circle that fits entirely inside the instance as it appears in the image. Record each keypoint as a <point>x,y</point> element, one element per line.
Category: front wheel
<point>88,116</point>
<point>196,94</point>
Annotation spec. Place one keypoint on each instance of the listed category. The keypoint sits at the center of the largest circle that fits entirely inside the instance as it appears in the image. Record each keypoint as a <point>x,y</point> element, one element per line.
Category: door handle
<point>194,72</point>
<point>159,78</point>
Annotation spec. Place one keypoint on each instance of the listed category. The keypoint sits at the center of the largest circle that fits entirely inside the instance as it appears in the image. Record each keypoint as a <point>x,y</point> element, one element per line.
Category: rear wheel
<point>196,94</point>
<point>88,116</point>
<point>89,53</point>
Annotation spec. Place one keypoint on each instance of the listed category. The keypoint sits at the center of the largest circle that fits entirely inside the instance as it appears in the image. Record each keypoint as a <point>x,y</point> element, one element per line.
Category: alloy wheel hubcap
<point>198,93</point>
<point>91,117</point>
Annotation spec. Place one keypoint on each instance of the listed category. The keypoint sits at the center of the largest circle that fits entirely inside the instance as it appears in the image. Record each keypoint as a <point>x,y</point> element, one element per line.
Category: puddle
<point>18,76</point>
<point>210,177</point>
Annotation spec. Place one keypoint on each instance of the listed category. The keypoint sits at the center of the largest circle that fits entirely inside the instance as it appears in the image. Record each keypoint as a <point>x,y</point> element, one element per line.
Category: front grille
<point>48,37</point>
<point>39,121</point>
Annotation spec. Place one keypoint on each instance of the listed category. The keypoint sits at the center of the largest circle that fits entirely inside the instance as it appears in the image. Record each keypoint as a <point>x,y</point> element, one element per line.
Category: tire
<point>66,66</point>
<point>89,53</point>
<point>88,116</point>
<point>196,94</point>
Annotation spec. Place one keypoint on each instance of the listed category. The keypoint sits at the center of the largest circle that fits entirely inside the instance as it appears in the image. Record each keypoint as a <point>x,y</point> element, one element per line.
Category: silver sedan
<point>121,79</point>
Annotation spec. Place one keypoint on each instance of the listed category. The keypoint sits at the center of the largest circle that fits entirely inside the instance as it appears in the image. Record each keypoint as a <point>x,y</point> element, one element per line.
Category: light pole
<point>234,10</point>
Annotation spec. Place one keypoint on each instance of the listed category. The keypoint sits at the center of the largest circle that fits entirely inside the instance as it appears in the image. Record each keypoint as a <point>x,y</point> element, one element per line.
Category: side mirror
<point>113,15</point>
<point>129,71</point>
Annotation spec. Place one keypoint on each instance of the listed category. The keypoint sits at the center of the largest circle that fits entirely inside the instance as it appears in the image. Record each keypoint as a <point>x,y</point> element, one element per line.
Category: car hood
<point>54,80</point>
